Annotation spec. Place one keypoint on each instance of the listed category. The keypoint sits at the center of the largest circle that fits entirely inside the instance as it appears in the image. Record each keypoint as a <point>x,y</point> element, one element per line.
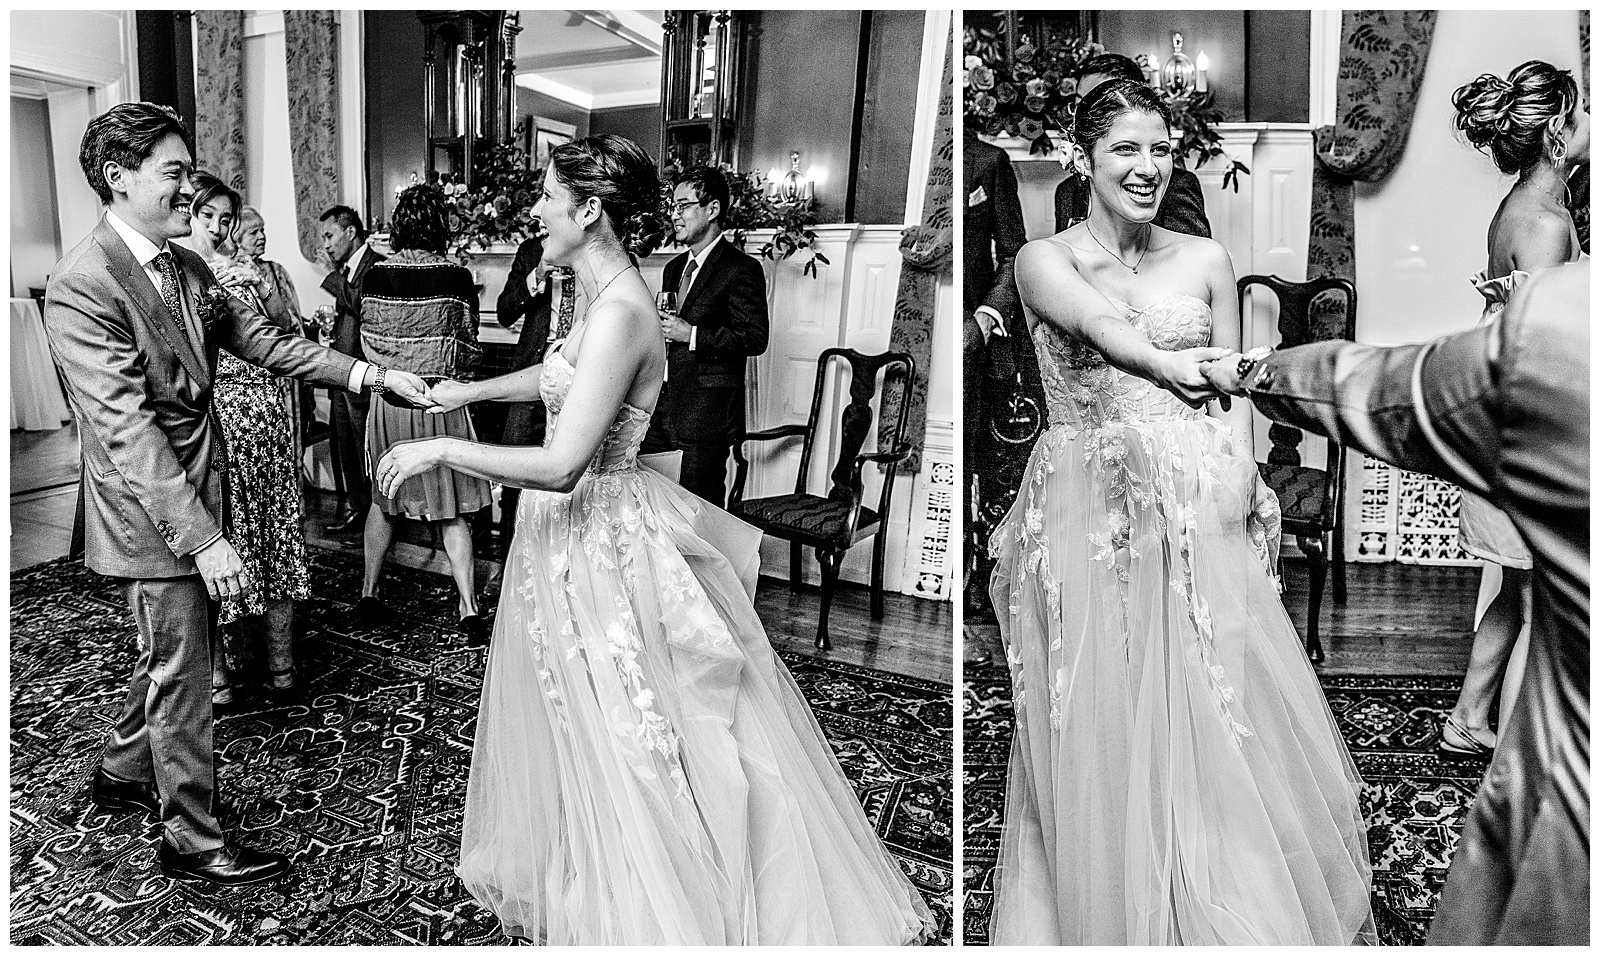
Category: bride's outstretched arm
<point>519,386</point>
<point>1053,290</point>
<point>615,346</point>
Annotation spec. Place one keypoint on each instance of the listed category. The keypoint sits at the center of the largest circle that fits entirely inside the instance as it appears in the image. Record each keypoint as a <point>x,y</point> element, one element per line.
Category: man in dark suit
<point>135,323</point>
<point>721,321</point>
<point>995,345</point>
<point>530,288</point>
<point>1183,208</point>
<point>344,242</point>
<point>1502,410</point>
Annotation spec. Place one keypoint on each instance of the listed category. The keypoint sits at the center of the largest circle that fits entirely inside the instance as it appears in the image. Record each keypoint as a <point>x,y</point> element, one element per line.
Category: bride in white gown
<point>645,770</point>
<point>1176,776</point>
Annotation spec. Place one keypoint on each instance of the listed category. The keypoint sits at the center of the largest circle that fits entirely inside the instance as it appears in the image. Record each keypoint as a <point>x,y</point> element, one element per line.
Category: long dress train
<point>645,770</point>
<point>1176,775</point>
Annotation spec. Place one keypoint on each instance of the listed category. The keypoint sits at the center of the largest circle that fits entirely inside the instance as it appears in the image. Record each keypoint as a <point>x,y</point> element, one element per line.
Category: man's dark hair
<point>1113,65</point>
<point>346,218</point>
<point>709,184</point>
<point>125,134</point>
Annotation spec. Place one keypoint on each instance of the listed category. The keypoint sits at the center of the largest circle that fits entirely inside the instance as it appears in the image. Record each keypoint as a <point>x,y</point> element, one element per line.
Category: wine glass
<point>667,302</point>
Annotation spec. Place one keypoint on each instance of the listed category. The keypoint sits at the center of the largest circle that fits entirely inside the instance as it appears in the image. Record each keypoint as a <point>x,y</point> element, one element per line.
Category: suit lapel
<point>131,276</point>
<point>702,276</point>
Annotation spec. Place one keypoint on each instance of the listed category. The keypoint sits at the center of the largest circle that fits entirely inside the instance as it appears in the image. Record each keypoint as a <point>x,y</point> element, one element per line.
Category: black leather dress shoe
<point>347,521</point>
<point>123,796</point>
<point>476,630</point>
<point>224,866</point>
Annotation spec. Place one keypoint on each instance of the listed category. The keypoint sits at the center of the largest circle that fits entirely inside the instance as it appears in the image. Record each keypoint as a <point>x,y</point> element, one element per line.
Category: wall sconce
<point>1182,78</point>
<point>793,187</point>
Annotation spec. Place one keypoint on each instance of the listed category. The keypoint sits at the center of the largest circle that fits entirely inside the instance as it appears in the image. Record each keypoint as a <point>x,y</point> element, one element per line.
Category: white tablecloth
<point>36,400</point>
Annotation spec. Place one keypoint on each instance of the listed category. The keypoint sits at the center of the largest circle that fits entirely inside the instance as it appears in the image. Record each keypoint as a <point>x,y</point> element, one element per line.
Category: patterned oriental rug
<point>362,780</point>
<point>1415,799</point>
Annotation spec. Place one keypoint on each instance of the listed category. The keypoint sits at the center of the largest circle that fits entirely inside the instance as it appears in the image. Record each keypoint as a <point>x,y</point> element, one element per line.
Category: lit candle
<point>1202,63</point>
<point>1155,72</point>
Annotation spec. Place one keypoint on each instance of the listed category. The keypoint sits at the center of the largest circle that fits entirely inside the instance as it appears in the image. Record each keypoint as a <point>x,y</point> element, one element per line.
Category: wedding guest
<point>1183,208</point>
<point>264,476</point>
<point>250,236</point>
<point>344,242</point>
<point>135,323</point>
<point>996,356</point>
<point>419,312</point>
<point>1533,126</point>
<point>1502,410</point>
<point>720,322</point>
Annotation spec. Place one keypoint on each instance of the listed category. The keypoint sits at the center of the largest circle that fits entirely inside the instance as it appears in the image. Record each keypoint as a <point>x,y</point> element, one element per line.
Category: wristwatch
<point>378,388</point>
<point>1249,360</point>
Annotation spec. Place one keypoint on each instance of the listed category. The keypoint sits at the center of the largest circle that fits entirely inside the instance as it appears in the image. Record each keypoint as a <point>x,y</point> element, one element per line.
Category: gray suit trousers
<point>164,733</point>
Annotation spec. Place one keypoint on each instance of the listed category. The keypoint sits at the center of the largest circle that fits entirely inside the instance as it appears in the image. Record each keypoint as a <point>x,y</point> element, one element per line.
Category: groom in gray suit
<point>135,324</point>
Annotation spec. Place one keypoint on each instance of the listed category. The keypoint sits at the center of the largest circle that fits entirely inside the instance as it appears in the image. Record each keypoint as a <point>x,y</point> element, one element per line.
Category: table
<point>36,400</point>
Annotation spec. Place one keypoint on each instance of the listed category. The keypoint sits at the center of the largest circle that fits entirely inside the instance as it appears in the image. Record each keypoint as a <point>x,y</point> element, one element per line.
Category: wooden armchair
<point>1311,498</point>
<point>834,522</point>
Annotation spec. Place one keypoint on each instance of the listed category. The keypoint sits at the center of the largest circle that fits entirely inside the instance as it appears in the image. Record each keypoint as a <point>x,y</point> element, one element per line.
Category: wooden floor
<point>913,639</point>
<point>1400,619</point>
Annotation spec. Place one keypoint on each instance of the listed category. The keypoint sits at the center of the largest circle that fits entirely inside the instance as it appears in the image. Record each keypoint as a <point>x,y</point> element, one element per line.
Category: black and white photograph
<point>483,477</point>
<point>1276,472</point>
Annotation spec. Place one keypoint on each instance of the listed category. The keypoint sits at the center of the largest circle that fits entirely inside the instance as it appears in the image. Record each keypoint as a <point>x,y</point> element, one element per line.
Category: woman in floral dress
<point>263,473</point>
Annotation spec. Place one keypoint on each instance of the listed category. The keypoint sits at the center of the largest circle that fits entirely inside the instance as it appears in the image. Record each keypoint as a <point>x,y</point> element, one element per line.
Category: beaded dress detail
<point>1176,775</point>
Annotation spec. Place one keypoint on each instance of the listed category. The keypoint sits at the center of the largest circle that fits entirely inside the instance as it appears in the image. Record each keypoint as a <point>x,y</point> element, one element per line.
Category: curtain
<point>311,55</point>
<point>925,252</point>
<point>1382,54</point>
<point>219,94</point>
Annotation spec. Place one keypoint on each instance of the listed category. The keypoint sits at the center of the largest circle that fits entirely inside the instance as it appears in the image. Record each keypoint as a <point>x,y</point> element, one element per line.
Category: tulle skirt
<point>645,770</point>
<point>1176,776</point>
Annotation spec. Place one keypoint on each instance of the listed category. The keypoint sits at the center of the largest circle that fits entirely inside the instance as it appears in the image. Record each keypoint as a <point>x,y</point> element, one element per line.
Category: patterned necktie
<point>168,268</point>
<point>565,309</point>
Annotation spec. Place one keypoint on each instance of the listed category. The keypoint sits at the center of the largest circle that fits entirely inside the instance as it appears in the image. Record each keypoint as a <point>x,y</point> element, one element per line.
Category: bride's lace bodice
<point>620,450</point>
<point>1084,391</point>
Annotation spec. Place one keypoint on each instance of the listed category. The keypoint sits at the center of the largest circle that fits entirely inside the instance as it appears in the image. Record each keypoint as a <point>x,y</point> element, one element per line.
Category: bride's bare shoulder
<point>1051,253</point>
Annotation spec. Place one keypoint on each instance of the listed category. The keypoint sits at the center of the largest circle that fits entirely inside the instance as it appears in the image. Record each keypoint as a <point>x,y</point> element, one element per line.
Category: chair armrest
<point>899,454</point>
<point>768,434</point>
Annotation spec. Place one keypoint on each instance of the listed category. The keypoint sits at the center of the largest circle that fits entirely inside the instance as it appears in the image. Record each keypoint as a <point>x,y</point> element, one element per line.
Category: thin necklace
<point>602,289</point>
<point>1135,266</point>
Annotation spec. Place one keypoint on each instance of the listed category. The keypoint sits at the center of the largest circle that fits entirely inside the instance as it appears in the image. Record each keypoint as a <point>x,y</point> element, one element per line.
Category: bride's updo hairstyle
<point>1105,103</point>
<point>616,171</point>
<point>1515,120</point>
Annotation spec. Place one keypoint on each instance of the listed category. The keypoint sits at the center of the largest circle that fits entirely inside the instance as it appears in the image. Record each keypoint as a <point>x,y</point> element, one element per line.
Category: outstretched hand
<point>1183,374</point>
<point>405,390</point>
<point>1223,375</point>
<point>448,396</point>
<point>405,460</point>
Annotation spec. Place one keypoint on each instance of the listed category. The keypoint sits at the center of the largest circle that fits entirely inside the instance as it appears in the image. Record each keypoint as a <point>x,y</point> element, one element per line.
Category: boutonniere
<point>213,305</point>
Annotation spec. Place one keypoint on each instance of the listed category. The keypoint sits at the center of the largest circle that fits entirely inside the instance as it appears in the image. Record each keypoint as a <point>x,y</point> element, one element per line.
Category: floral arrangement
<point>499,206</point>
<point>749,208</point>
<point>1035,94</point>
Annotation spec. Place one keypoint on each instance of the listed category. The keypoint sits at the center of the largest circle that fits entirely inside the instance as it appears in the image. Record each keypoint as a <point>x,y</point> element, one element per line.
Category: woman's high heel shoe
<point>1464,743</point>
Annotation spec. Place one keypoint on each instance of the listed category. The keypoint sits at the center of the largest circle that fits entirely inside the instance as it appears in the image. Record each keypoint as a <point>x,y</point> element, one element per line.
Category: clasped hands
<point>1198,375</point>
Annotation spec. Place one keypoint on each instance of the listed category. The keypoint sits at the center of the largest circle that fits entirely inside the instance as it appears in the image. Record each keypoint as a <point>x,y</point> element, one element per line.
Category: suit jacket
<point>347,300</point>
<point>515,303</point>
<point>992,232</point>
<point>1502,410</point>
<point>153,487</point>
<point>1182,209</point>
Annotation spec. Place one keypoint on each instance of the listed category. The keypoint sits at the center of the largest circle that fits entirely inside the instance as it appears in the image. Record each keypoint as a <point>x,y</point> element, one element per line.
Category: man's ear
<point>115,174</point>
<point>714,210</point>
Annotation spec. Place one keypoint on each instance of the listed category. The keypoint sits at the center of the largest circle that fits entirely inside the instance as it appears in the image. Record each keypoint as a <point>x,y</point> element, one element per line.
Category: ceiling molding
<point>572,59</point>
<point>561,91</point>
<point>612,101</point>
<point>630,25</point>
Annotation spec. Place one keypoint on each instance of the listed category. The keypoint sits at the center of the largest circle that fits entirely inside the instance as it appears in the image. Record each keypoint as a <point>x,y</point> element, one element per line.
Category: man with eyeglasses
<point>719,322</point>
